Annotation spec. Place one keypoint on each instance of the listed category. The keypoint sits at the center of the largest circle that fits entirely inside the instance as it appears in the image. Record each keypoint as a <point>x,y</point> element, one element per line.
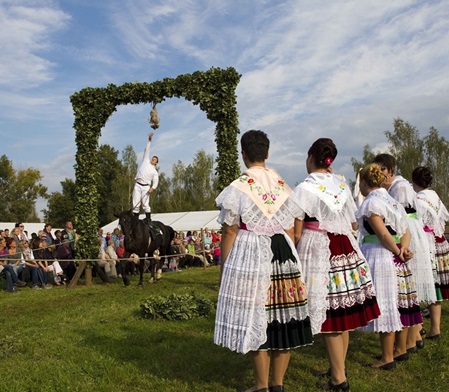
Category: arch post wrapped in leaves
<point>212,90</point>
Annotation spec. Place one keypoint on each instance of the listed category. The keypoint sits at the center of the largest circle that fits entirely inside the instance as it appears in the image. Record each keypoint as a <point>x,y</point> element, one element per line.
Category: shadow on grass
<point>172,354</point>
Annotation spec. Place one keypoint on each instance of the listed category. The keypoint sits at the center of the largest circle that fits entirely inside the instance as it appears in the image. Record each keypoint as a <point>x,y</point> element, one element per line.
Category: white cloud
<point>342,69</point>
<point>26,29</point>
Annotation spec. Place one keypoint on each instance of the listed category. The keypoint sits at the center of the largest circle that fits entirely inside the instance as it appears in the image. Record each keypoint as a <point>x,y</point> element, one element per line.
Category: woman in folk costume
<point>385,244</point>
<point>262,303</point>
<point>421,264</point>
<point>434,216</point>
<point>340,292</point>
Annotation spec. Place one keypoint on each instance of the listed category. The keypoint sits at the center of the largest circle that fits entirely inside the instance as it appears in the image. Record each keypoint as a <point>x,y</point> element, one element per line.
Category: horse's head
<point>125,220</point>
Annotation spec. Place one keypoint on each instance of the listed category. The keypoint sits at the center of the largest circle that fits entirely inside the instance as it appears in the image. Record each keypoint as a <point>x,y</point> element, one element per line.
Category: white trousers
<point>141,196</point>
<point>57,271</point>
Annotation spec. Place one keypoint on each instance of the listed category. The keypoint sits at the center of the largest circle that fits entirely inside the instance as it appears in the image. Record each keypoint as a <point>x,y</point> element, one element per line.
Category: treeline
<point>191,188</point>
<point>411,150</point>
<point>19,192</point>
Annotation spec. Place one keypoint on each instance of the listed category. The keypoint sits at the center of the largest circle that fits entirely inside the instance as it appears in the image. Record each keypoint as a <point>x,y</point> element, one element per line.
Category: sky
<point>309,69</point>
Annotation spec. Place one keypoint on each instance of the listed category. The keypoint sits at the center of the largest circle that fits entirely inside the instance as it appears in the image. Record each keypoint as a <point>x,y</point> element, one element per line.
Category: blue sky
<point>338,69</point>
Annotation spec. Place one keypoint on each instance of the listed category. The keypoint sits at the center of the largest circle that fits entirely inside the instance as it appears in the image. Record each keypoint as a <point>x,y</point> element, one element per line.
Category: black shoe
<point>422,332</point>
<point>330,386</point>
<point>434,337</point>
<point>276,388</point>
<point>387,366</point>
<point>420,344</point>
<point>402,357</point>
<point>20,283</point>
<point>413,350</point>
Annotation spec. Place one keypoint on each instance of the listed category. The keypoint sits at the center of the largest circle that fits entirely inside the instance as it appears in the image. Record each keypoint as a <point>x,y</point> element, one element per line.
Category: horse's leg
<point>152,270</point>
<point>159,264</point>
<point>141,268</point>
<point>124,266</point>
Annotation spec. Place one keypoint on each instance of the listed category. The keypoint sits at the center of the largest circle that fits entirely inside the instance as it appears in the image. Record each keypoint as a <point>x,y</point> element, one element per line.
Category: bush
<point>176,307</point>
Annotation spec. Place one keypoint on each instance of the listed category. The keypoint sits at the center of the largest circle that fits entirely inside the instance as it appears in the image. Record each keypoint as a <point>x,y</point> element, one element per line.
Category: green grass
<point>93,339</point>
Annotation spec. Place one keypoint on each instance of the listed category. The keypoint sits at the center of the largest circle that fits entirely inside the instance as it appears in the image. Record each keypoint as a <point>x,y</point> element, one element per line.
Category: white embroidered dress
<point>421,263</point>
<point>264,203</point>
<point>434,215</point>
<point>327,198</point>
<point>381,260</point>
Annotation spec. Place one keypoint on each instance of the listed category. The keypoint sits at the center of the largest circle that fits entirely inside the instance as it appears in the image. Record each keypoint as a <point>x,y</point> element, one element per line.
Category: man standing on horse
<point>147,179</point>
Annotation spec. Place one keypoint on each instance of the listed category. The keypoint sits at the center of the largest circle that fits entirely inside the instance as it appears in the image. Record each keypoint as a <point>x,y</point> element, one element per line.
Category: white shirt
<point>147,172</point>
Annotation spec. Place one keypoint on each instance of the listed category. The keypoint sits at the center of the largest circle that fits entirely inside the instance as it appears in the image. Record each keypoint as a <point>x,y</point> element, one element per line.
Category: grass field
<point>93,339</point>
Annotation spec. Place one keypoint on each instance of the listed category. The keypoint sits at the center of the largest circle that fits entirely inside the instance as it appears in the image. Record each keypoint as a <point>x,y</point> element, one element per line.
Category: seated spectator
<point>105,262</point>
<point>207,238</point>
<point>115,236</point>
<point>48,236</point>
<point>208,254</point>
<point>3,248</point>
<point>110,251</point>
<point>15,235</point>
<point>58,237</point>
<point>7,270</point>
<point>192,259</point>
<point>43,257</point>
<point>32,266</point>
<point>14,256</point>
<point>23,235</point>
<point>199,252</point>
<point>217,253</point>
<point>65,257</point>
<point>175,251</point>
<point>102,238</point>
<point>121,265</point>
<point>213,235</point>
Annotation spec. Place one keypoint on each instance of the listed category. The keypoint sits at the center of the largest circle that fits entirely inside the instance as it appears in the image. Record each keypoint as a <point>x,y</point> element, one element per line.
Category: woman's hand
<point>407,254</point>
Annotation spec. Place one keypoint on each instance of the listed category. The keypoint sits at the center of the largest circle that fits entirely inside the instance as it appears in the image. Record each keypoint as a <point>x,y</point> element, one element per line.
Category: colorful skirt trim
<point>408,302</point>
<point>286,294</point>
<point>442,267</point>
<point>351,297</point>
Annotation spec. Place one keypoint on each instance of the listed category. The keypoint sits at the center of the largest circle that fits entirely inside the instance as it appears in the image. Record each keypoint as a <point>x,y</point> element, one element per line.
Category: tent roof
<point>28,227</point>
<point>180,221</point>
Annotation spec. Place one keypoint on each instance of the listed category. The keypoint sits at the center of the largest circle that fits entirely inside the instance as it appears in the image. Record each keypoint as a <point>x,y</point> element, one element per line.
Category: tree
<point>129,163</point>
<point>160,199</point>
<point>406,146</point>
<point>411,151</point>
<point>202,183</point>
<point>109,168</point>
<point>436,153</point>
<point>61,205</point>
<point>20,190</point>
<point>194,187</point>
<point>368,157</point>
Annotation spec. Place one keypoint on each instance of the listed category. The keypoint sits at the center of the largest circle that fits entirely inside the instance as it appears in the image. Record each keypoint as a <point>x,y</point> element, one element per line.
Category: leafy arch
<point>212,90</point>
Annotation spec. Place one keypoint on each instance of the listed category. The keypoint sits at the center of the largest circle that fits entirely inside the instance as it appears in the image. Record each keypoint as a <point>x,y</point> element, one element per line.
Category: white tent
<point>28,227</point>
<point>180,221</point>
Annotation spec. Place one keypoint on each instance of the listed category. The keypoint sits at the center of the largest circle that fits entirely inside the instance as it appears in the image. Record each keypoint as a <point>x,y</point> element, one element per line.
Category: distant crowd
<point>44,259</point>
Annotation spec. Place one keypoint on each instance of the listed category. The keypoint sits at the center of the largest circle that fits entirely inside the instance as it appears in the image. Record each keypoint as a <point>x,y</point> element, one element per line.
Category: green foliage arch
<point>212,90</point>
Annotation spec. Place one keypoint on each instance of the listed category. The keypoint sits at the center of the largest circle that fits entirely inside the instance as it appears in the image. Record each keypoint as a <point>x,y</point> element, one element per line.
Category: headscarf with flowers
<point>265,187</point>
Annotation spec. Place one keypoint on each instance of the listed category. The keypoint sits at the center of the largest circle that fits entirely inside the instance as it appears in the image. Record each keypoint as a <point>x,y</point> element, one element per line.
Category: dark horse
<point>139,240</point>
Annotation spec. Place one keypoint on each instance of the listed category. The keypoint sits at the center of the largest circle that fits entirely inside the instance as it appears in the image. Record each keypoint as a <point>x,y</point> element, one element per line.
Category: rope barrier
<point>118,259</point>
